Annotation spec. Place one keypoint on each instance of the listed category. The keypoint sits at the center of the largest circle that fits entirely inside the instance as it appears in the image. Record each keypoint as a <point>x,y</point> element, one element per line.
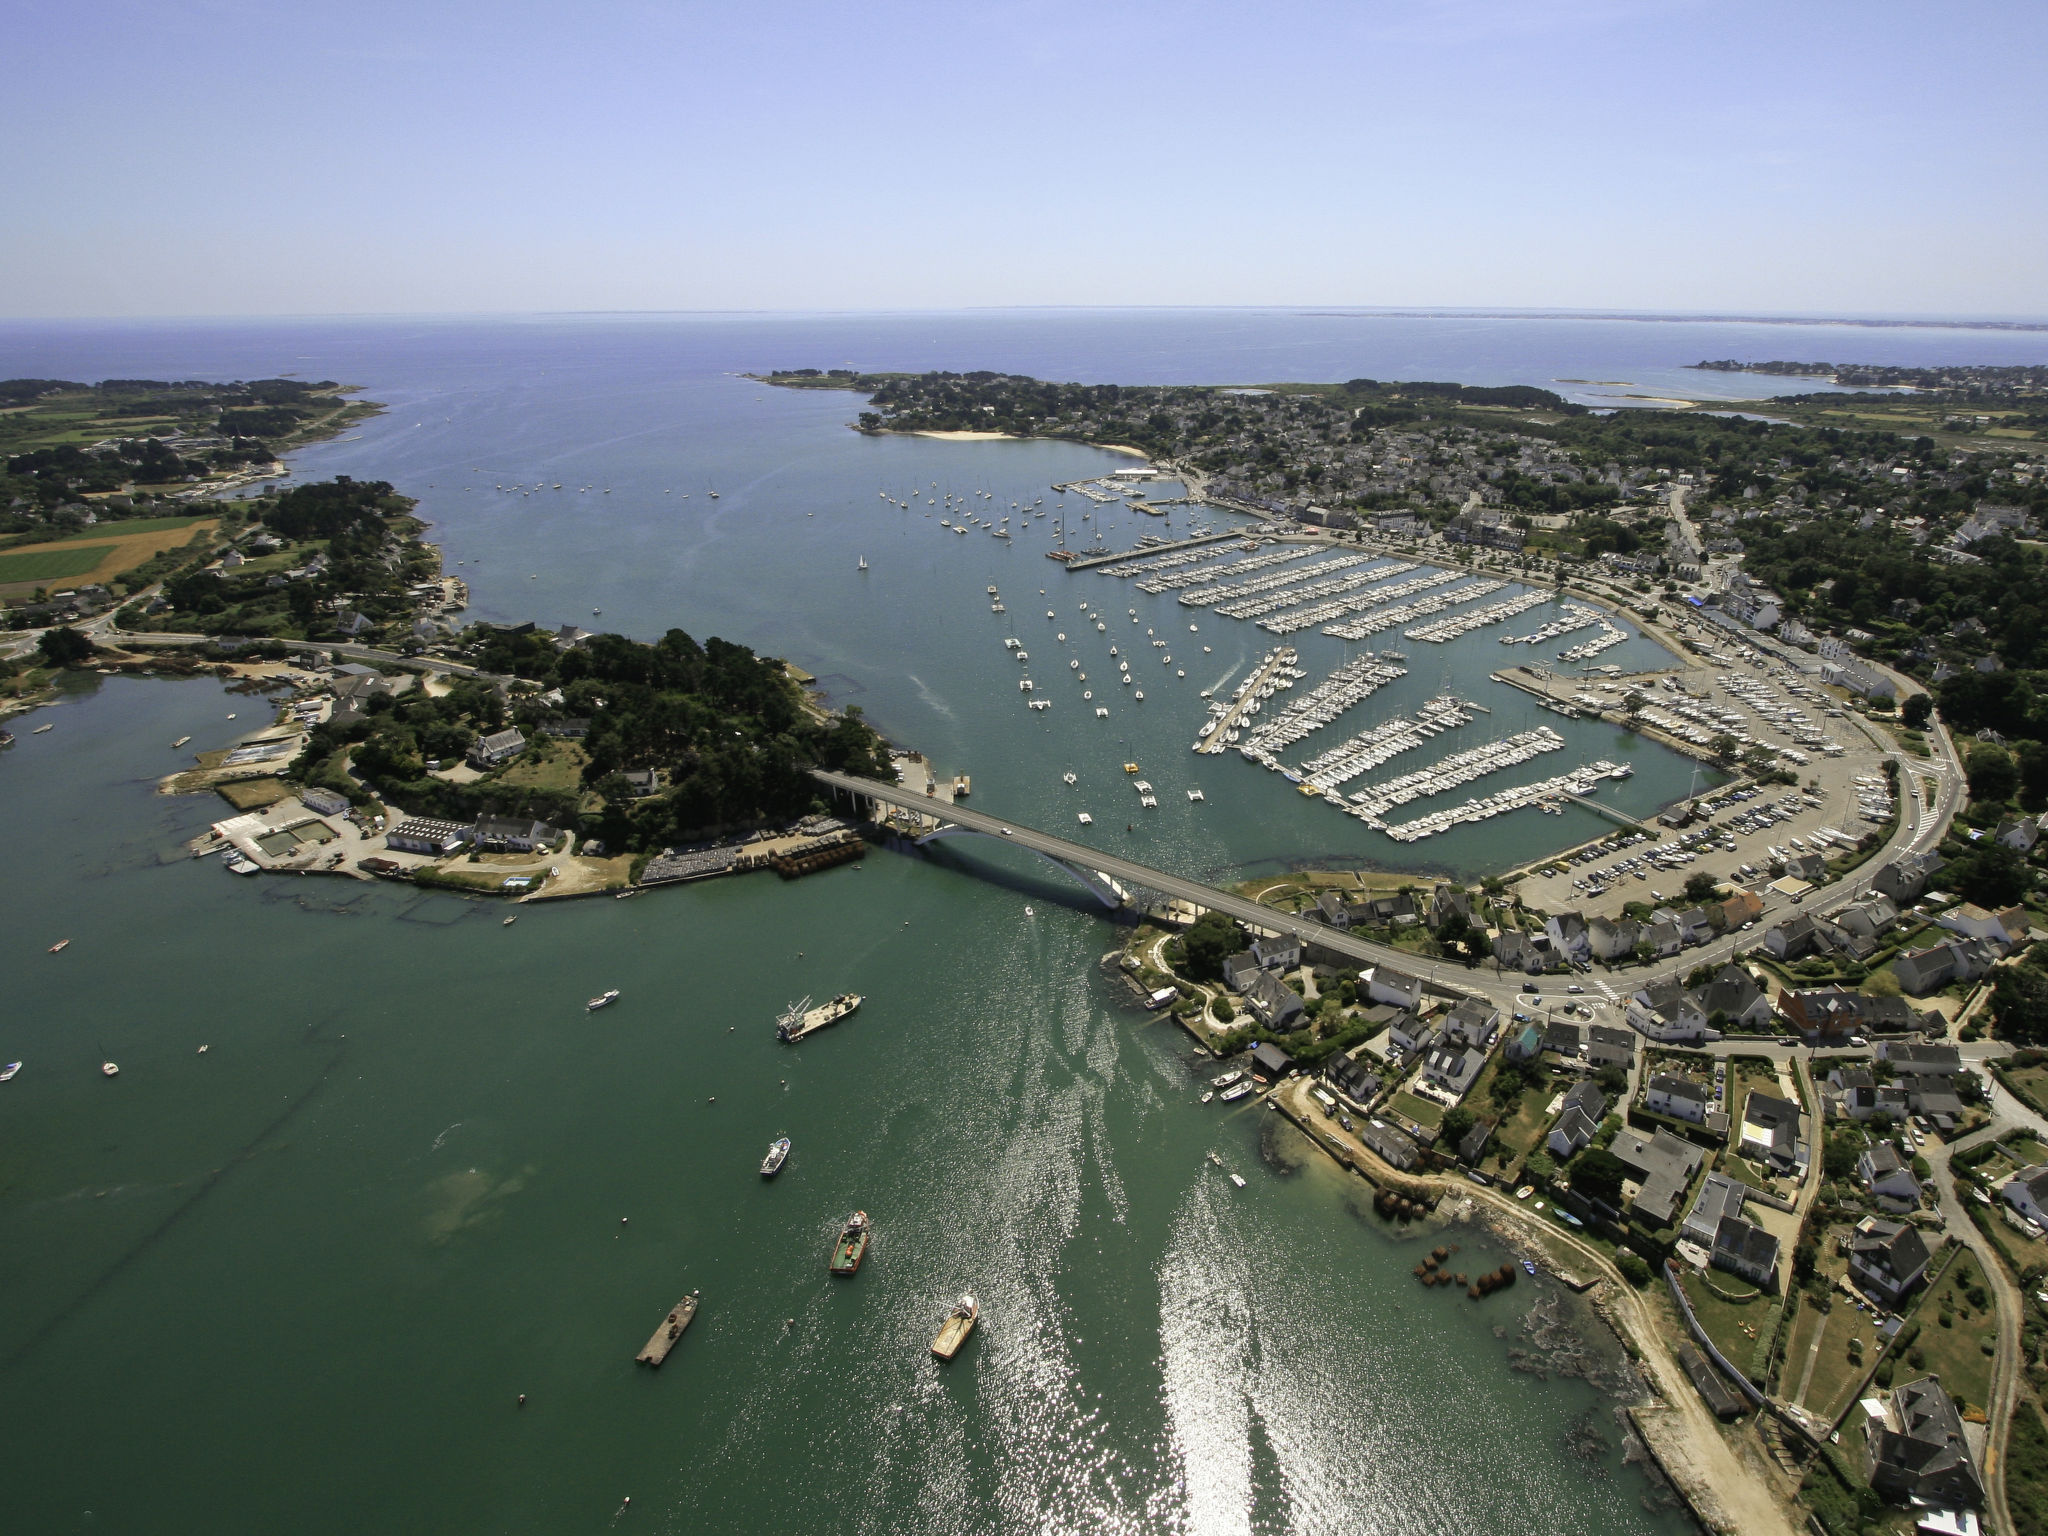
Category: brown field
<point>123,552</point>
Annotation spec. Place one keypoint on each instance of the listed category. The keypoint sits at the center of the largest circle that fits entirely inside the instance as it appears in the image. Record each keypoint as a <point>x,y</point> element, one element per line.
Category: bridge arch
<point>1101,887</point>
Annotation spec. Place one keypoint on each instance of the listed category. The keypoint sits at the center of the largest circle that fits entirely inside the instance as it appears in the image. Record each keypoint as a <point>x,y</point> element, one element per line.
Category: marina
<point>1255,607</point>
<point>1373,620</point>
<point>1276,670</point>
<point>1371,749</point>
<point>1208,596</point>
<point>1454,772</point>
<point>1497,805</point>
<point>1308,618</point>
<point>1346,687</point>
<point>1477,619</point>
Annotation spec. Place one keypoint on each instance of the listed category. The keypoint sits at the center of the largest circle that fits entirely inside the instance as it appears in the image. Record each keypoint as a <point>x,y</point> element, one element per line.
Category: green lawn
<point>1421,1111</point>
<point>1954,1353</point>
<point>560,767</point>
<point>1837,1374</point>
<point>53,564</point>
<point>1732,1325</point>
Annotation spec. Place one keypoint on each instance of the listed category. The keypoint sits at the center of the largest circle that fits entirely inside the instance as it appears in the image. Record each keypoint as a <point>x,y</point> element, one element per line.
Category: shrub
<point>1632,1268</point>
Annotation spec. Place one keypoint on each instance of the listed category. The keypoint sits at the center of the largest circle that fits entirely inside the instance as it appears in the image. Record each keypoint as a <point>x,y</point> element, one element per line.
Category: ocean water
<point>299,1281</point>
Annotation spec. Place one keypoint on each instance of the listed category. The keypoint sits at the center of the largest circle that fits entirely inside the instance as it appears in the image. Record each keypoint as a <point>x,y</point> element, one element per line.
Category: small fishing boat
<point>958,1325</point>
<point>1238,1180</point>
<point>109,1069</point>
<point>1529,1265</point>
<point>602,1000</point>
<point>1226,1080</point>
<point>7,1072</point>
<point>1232,1094</point>
<point>60,946</point>
<point>510,921</point>
<point>852,1246</point>
<point>179,742</point>
<point>42,728</point>
<point>1207,1095</point>
<point>778,1154</point>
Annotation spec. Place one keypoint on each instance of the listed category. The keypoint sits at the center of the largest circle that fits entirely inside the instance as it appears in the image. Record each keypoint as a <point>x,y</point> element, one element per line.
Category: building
<point>1664,1010</point>
<point>1351,1080</point>
<point>1832,1012</point>
<point>1269,1060</point>
<point>2018,833</point>
<point>1720,1397</point>
<point>1887,1259</point>
<point>1858,1096</point>
<point>1474,1023</point>
<point>1733,995</point>
<point>1770,1132</point>
<point>1276,1004</point>
<point>323,802</point>
<point>1388,1144</point>
<point>1810,867</point>
<point>1792,938</point>
<point>1719,1197</point>
<point>1663,1165</point>
<point>1914,1449</point>
<point>1609,1047</point>
<point>1453,1067</point>
<point>1238,971</point>
<point>1682,1098</point>
<point>1568,937</point>
<point>2027,1193</point>
<point>1446,902</point>
<point>1922,971</point>
<point>1281,952</point>
<point>1903,880</point>
<point>419,834</point>
<point>1743,907</point>
<point>1564,1040</point>
<point>1881,1171</point>
<point>513,834</point>
<point>1584,1108</point>
<point>2003,928</point>
<point>1612,938</point>
<point>498,747</point>
<point>1745,1249</point>
<point>1384,984</point>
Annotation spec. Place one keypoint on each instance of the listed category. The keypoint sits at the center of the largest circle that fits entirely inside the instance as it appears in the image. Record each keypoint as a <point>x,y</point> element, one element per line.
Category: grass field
<point>253,794</point>
<point>560,767</point>
<point>1732,1325</point>
<point>1954,1353</point>
<point>106,556</point>
<point>1421,1111</point>
<point>42,563</point>
<point>123,529</point>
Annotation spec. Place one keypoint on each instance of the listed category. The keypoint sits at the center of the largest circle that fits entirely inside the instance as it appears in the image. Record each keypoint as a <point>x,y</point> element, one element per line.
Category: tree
<point>1599,1173</point>
<point>1991,875</point>
<point>1993,774</point>
<point>1917,710</point>
<point>1699,888</point>
<point>64,647</point>
<point>1723,747</point>
<point>1457,1125</point>
<point>1213,939</point>
<point>2019,1004</point>
<point>1225,1011</point>
<point>1632,1268</point>
<point>2033,757</point>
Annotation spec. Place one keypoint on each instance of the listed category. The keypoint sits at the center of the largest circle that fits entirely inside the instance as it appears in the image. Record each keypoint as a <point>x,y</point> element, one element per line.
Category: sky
<point>231,157</point>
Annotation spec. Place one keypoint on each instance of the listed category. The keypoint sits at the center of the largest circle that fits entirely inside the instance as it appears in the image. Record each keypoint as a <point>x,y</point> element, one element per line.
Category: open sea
<point>299,1282</point>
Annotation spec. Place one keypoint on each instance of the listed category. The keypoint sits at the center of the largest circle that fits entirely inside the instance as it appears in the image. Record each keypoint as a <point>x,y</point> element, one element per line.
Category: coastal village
<point>1746,1070</point>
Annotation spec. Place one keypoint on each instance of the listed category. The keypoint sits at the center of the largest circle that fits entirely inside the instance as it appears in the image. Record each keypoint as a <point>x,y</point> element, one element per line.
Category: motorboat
<point>602,1000</point>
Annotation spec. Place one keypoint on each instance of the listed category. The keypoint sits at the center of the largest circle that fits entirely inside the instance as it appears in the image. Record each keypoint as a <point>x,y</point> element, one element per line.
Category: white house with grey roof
<point>1682,1098</point>
<point>2027,1193</point>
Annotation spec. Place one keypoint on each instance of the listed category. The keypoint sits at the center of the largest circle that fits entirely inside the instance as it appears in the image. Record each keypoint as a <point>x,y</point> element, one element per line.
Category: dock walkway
<point>1152,549</point>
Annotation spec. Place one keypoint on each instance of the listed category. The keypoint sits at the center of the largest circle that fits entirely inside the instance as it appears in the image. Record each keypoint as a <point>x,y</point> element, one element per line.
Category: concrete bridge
<point>1082,862</point>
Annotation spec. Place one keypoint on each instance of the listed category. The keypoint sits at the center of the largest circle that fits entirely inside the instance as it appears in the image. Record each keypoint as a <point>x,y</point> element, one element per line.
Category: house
<point>2027,1193</point>
<point>1719,1197</point>
<point>1453,1067</point>
<point>1770,1132</point>
<point>1282,952</point>
<point>1609,1047</point>
<point>642,782</point>
<point>1566,1041</point>
<point>1664,1010</point>
<point>1809,866</point>
<point>1913,1058</point>
<point>1473,1147</point>
<point>419,834</point>
<point>1792,938</point>
<point>1747,1250</point>
<point>1831,1012</point>
<point>1351,1079</point>
<point>1858,1096</point>
<point>1663,1164</point>
<point>1276,1004</point>
<point>1935,1097</point>
<point>1903,880</point>
<point>1867,920</point>
<point>1388,1144</point>
<point>513,834</point>
<point>352,624</point>
<point>1695,926</point>
<point>1448,901</point>
<point>1568,937</point>
<point>2003,928</point>
<point>498,747</point>
<point>1719,1396</point>
<point>1887,1258</point>
<point>1734,995</point>
<point>1268,1060</point>
<point>1517,951</point>
<point>569,637</point>
<point>1682,1098</point>
<point>568,727</point>
<point>1408,1032</point>
<point>1742,907</point>
<point>1663,935</point>
<point>1333,909</point>
<point>1881,1171</point>
<point>323,802</point>
<point>1922,971</point>
<point>2018,833</point>
<point>1238,971</point>
<point>1526,1046</point>
<point>1474,1023</point>
<point>1584,1108</point>
<point>1384,984</point>
<point>1612,938</point>
<point>1914,1449</point>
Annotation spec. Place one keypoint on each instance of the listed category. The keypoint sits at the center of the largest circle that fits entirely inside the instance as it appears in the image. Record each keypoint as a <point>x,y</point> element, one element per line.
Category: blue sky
<point>234,157</point>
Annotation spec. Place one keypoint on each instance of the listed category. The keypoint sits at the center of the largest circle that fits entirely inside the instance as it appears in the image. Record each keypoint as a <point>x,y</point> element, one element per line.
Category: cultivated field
<point>95,557</point>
